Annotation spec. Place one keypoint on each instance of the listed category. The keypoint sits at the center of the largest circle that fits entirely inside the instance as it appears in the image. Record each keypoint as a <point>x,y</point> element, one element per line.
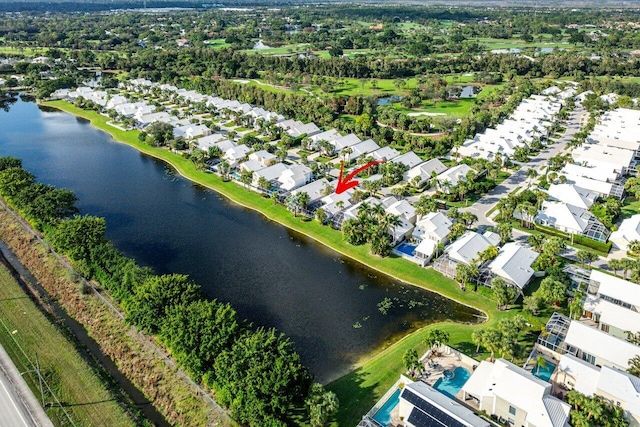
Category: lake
<point>273,276</point>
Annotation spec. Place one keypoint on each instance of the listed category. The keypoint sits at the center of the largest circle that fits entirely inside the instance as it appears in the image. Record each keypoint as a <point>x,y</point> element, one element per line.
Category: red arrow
<point>346,183</point>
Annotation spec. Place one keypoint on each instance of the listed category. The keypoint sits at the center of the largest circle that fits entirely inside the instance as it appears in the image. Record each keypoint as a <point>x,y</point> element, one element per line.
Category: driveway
<point>519,178</point>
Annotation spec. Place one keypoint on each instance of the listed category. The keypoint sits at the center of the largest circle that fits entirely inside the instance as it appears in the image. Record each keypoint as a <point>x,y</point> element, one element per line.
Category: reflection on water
<point>273,276</point>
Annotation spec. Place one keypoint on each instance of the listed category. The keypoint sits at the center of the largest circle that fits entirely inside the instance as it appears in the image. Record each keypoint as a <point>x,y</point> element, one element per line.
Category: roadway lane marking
<point>13,403</point>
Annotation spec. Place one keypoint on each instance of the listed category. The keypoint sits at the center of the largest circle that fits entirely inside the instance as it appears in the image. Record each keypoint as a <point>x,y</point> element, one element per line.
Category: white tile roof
<point>514,263</point>
<point>520,388</point>
<point>585,374</point>
<point>272,172</point>
<point>424,169</point>
<point>615,351</point>
<point>434,224</point>
<point>622,387</point>
<point>573,195</point>
<point>564,216</point>
<point>613,314</point>
<point>467,247</point>
<point>628,231</point>
<point>384,153</point>
<point>409,159</point>
<point>616,288</point>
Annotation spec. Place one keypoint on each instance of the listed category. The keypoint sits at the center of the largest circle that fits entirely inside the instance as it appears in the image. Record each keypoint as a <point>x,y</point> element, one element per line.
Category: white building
<point>430,230</point>
<point>425,170</point>
<point>452,176</point>
<point>513,264</point>
<point>515,396</point>
<point>573,195</point>
<point>628,232</point>
<point>616,386</point>
<point>467,247</point>
<point>422,405</point>
<point>294,177</point>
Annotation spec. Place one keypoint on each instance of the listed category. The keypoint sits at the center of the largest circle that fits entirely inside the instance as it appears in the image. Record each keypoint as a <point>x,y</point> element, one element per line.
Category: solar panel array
<point>424,414</point>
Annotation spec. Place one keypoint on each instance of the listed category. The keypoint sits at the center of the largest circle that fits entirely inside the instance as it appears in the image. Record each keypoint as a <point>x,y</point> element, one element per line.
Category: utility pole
<point>40,380</point>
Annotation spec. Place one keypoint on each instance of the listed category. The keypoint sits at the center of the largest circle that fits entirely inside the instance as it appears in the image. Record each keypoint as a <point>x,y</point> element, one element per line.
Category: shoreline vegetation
<point>29,326</point>
<point>135,357</point>
<point>374,373</point>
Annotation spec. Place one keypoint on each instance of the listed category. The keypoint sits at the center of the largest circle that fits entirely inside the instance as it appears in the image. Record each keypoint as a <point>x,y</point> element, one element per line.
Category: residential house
<point>251,165</point>
<point>402,230</point>
<point>315,190</point>
<point>345,142</point>
<point>210,140</point>
<point>628,231</point>
<point>571,219</point>
<point>608,297</point>
<point>300,129</point>
<point>270,173</point>
<point>294,177</point>
<point>116,100</point>
<point>513,264</point>
<point>329,136</point>
<point>452,176</point>
<point>264,157</point>
<point>144,120</point>
<point>430,230</point>
<point>515,396</point>
<point>191,131</point>
<point>573,195</point>
<point>614,385</point>
<point>400,208</point>
<point>425,171</point>
<point>236,154</point>
<point>384,154</point>
<point>422,405</point>
<point>363,148</point>
<point>467,247</point>
<point>598,347</point>
<point>408,159</point>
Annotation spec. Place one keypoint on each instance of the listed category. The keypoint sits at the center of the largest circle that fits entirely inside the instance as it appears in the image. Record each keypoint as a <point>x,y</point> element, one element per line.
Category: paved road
<point>18,406</point>
<point>519,178</point>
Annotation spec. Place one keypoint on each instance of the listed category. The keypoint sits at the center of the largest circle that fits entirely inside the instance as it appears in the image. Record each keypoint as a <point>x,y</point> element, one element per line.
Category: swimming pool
<point>451,387</point>
<point>545,371</point>
<point>406,248</point>
<point>383,415</point>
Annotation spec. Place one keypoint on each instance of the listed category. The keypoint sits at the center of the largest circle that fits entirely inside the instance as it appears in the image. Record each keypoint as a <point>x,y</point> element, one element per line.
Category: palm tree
<point>575,307</point>
<point>634,246</point>
<point>263,183</point>
<point>477,336</point>
<point>410,359</point>
<point>541,363</point>
<point>492,341</point>
<point>346,154</point>
<point>224,167</point>
<point>468,218</point>
<point>536,241</point>
<point>615,264</point>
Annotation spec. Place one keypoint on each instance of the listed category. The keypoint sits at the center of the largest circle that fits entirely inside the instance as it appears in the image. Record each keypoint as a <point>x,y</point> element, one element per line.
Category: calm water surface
<point>273,276</point>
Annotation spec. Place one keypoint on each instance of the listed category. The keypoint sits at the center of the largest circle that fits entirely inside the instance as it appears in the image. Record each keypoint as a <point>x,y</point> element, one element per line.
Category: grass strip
<point>156,378</point>
<point>24,332</point>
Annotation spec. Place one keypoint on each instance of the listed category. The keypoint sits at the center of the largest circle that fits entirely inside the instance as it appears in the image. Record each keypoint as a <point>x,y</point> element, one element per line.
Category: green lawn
<point>27,51</point>
<point>87,399</point>
<point>358,390</point>
<point>491,44</point>
<point>631,207</point>
<point>217,43</point>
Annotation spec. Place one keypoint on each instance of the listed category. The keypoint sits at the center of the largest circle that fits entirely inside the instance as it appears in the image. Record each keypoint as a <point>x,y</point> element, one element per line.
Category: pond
<point>273,276</point>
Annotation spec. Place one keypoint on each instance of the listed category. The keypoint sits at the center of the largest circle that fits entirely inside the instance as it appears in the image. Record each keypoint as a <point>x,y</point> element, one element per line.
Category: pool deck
<point>447,359</point>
